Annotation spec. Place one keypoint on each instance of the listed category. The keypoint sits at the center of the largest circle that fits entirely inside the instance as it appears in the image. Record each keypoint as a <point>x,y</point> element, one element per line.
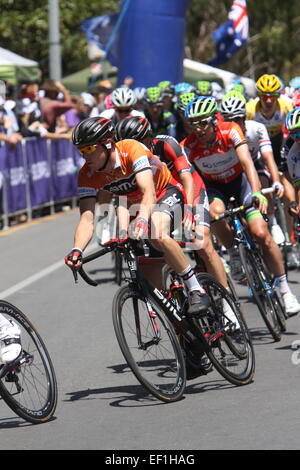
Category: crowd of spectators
<point>49,110</point>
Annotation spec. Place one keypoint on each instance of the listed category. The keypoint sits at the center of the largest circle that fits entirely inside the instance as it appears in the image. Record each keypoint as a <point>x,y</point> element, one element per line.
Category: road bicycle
<point>28,384</point>
<point>155,334</point>
<point>260,281</point>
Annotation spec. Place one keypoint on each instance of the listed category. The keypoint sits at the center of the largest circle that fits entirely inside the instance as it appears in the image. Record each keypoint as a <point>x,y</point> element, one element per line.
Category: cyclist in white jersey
<point>233,108</point>
<point>293,157</point>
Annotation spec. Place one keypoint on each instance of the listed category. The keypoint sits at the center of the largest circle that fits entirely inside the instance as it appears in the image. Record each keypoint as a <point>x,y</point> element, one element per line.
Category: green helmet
<point>183,100</point>
<point>202,107</point>
<point>292,121</point>
<point>167,88</point>
<point>203,88</point>
<point>164,84</point>
<point>234,94</point>
<point>153,95</point>
<point>239,87</point>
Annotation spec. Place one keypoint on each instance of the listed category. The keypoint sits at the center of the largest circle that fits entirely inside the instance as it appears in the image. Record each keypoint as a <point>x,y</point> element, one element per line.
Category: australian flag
<point>233,34</point>
<point>100,31</point>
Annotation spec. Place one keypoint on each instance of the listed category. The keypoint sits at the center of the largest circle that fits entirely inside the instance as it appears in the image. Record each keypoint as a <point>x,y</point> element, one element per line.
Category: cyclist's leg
<point>168,211</point>
<point>273,259</point>
<point>203,243</point>
<point>10,340</point>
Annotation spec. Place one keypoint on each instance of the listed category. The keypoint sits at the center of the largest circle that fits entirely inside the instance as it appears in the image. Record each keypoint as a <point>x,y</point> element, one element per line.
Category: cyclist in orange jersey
<point>129,169</point>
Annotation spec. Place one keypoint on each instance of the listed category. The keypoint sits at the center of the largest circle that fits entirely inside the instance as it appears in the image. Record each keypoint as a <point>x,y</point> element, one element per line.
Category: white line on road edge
<point>39,275</point>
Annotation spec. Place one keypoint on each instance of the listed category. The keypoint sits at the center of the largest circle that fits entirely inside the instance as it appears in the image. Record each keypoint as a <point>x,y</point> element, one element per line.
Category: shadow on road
<point>137,395</point>
<point>10,423</point>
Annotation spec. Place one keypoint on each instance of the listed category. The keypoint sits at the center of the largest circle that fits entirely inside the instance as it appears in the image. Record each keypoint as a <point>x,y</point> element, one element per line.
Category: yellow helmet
<point>270,84</point>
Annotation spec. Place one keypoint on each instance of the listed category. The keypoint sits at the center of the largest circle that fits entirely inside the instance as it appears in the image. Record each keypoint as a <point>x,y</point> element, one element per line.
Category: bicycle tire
<point>257,280</point>
<point>28,385</point>
<point>158,355</point>
<point>280,312</point>
<point>231,350</point>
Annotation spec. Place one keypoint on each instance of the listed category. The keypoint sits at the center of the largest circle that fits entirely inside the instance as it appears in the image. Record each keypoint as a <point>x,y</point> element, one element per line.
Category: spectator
<point>51,106</point>
<point>89,105</point>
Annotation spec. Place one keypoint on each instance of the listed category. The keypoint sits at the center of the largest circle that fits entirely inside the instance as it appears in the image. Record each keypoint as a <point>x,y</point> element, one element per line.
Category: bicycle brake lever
<point>75,275</point>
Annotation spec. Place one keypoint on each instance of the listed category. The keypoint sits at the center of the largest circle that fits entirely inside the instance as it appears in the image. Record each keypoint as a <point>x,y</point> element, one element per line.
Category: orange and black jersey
<point>132,158</point>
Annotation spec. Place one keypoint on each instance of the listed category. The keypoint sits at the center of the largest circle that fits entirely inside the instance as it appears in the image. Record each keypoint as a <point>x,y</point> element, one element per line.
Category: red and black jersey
<point>171,153</point>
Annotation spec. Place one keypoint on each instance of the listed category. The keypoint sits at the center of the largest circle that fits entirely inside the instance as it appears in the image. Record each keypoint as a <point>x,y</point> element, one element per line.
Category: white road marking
<point>39,275</point>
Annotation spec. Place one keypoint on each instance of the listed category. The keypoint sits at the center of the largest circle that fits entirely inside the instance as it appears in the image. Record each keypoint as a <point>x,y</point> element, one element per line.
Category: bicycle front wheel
<point>149,345</point>
<point>231,350</point>
<point>28,385</point>
<point>261,290</point>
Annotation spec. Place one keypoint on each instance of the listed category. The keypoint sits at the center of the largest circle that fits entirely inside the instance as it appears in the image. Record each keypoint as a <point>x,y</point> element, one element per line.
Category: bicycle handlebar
<point>112,246</point>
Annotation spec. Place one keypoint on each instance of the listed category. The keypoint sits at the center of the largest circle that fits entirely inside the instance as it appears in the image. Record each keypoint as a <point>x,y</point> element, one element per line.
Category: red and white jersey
<point>219,162</point>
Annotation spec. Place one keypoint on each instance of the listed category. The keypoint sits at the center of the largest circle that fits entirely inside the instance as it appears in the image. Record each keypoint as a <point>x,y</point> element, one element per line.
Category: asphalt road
<point>101,405</point>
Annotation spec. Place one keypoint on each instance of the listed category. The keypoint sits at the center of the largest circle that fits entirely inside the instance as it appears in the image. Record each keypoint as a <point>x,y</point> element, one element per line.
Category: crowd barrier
<point>37,173</point>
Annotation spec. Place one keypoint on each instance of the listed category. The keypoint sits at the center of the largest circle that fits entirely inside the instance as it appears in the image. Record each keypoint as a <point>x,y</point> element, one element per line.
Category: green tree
<point>274,33</point>
<point>274,36</point>
<point>24,29</point>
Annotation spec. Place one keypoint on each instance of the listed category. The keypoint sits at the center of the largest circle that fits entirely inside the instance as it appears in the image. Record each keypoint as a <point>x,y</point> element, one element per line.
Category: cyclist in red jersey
<point>129,169</point>
<point>220,153</point>
<point>197,207</point>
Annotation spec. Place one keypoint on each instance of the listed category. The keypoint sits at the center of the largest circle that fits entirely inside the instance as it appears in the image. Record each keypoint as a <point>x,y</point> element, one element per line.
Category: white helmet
<point>123,97</point>
<point>233,107</point>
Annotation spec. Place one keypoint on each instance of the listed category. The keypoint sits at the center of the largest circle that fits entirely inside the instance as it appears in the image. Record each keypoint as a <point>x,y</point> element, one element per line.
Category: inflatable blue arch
<point>151,41</point>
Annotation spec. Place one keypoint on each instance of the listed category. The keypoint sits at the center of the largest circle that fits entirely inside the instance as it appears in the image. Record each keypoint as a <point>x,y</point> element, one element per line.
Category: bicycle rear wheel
<point>149,345</point>
<point>28,385</point>
<point>231,349</point>
<point>261,289</point>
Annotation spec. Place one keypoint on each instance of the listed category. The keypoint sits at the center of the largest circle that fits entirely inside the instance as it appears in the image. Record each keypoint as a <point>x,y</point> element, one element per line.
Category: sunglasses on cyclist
<point>87,149</point>
<point>202,123</point>
<point>296,135</point>
<point>269,95</point>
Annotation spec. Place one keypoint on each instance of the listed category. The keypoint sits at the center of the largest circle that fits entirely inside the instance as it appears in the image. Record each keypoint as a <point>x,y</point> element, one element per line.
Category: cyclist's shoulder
<point>129,147</point>
<point>253,126</point>
<point>285,104</point>
<point>252,106</point>
<point>108,113</point>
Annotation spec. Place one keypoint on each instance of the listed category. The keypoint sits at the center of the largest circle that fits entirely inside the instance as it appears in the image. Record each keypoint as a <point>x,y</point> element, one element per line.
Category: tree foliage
<point>274,36</point>
<point>274,33</point>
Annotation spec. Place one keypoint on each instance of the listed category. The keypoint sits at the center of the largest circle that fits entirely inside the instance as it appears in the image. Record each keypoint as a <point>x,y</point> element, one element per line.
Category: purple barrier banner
<point>39,172</point>
<point>64,170</point>
<point>16,178</point>
<point>2,175</point>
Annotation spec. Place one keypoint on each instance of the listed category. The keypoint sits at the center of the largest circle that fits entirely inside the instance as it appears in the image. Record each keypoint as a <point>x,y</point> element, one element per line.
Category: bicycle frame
<point>151,294</point>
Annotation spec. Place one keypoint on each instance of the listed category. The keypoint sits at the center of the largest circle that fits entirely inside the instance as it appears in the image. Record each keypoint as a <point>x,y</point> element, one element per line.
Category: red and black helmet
<point>136,128</point>
<point>93,130</point>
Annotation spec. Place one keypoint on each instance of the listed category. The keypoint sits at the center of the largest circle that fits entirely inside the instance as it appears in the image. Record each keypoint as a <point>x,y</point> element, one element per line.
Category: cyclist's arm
<point>145,183</point>
<point>246,161</point>
<point>271,165</point>
<point>175,153</point>
<point>85,228</point>
<point>293,161</point>
<point>189,187</point>
<point>123,218</point>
